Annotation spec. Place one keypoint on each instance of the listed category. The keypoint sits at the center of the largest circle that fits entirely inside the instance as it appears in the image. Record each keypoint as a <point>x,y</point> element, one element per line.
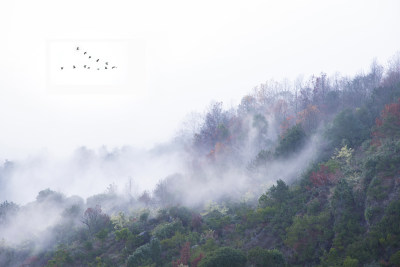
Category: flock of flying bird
<point>106,66</point>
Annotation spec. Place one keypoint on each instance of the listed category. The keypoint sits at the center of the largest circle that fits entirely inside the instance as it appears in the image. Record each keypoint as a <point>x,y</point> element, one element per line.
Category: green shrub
<point>224,257</point>
<point>266,258</point>
<point>146,254</point>
<point>182,214</point>
<point>349,262</point>
<point>167,230</point>
<point>395,259</point>
<point>144,216</point>
<point>122,234</point>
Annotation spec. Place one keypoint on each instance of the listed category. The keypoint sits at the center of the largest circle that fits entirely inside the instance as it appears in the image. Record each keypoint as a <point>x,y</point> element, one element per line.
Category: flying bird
<point>97,60</point>
<point>62,68</point>
<point>73,66</point>
<point>98,69</point>
<point>85,53</point>
<point>106,63</point>
<point>113,67</point>
<point>90,57</point>
<point>88,67</point>
<point>105,67</point>
<point>84,66</point>
<point>77,48</point>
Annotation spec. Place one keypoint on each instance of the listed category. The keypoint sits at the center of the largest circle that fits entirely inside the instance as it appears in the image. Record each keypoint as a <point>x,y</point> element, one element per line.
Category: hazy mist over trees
<point>302,173</point>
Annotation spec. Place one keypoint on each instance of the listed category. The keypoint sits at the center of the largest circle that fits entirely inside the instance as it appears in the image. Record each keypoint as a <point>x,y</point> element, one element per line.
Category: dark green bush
<point>292,141</point>
<point>260,257</point>
<point>224,257</point>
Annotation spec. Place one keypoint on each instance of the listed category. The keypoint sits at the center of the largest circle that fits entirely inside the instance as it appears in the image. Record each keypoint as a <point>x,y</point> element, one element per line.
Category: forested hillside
<point>302,175</point>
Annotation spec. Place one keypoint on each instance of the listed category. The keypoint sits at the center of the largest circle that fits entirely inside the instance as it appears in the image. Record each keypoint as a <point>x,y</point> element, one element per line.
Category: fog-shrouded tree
<point>95,219</point>
<point>7,211</point>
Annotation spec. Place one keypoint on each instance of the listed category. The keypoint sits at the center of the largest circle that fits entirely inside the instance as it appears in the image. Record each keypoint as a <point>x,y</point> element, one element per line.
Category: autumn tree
<point>309,118</point>
<point>322,177</point>
<point>388,124</point>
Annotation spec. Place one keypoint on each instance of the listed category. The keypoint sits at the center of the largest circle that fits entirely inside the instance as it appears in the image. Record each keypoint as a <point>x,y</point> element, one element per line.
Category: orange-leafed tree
<point>309,118</point>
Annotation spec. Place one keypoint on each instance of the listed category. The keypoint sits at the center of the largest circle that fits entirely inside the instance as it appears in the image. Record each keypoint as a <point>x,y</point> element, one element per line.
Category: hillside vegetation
<point>307,175</point>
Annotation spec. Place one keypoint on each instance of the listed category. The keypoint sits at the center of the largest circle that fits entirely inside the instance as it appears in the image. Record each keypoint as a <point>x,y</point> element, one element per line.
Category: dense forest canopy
<point>302,175</point>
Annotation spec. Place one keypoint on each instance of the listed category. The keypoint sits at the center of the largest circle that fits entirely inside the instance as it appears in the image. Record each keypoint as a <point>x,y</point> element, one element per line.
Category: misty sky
<point>195,52</point>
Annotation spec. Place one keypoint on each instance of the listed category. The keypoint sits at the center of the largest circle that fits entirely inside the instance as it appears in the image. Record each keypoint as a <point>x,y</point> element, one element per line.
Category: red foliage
<point>322,177</point>
<point>185,253</point>
<point>388,124</point>
<point>196,261</point>
<point>185,256</point>
<point>30,261</point>
<point>309,117</point>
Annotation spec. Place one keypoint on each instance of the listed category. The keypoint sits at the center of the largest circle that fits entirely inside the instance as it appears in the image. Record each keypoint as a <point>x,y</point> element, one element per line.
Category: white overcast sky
<point>195,52</point>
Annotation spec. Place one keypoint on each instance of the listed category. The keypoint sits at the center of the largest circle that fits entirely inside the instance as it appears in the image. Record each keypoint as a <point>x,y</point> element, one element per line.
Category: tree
<point>309,236</point>
<point>388,124</point>
<point>277,194</point>
<point>95,220</point>
<point>348,129</point>
<point>182,214</point>
<point>261,125</point>
<point>292,141</point>
<point>349,262</point>
<point>260,257</point>
<point>146,254</point>
<point>167,192</point>
<point>322,177</point>
<point>247,105</point>
<point>49,195</point>
<point>309,118</point>
<point>395,259</point>
<point>145,198</point>
<point>347,218</point>
<point>185,256</point>
<point>224,257</point>
<point>7,210</point>
<point>214,128</point>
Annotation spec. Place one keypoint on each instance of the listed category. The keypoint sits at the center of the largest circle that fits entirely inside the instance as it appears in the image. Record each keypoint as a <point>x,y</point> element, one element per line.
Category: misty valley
<point>298,174</point>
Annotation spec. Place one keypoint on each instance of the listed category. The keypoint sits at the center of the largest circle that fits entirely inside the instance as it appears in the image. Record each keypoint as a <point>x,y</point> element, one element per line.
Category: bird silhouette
<point>90,57</point>
<point>74,66</point>
<point>105,67</point>
<point>88,68</point>
<point>113,67</point>
<point>62,68</point>
<point>85,53</point>
<point>106,63</point>
<point>97,60</point>
<point>77,48</point>
<point>98,69</point>
<point>84,66</point>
